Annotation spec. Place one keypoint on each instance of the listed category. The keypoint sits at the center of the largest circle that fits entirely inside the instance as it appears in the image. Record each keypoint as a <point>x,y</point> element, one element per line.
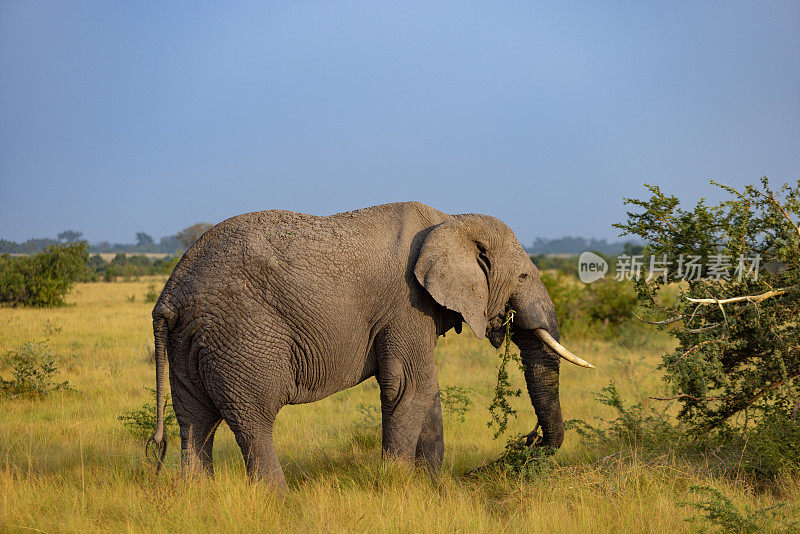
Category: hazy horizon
<point>589,243</point>
<point>121,118</point>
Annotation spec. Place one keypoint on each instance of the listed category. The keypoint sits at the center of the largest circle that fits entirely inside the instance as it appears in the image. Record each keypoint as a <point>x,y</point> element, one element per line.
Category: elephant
<point>274,307</point>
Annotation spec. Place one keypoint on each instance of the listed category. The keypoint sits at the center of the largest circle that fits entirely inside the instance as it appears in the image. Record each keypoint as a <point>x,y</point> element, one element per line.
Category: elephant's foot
<point>416,436</point>
<point>193,465</point>
<point>261,460</point>
<point>271,477</point>
<point>430,445</point>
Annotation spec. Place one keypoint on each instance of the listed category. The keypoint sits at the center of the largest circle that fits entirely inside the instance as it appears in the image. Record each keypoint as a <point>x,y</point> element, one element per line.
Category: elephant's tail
<point>159,438</point>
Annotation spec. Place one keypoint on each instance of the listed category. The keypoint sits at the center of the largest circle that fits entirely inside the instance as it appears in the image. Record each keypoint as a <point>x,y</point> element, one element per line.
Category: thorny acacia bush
<point>735,369</point>
<point>33,372</point>
<point>44,278</point>
<point>739,356</point>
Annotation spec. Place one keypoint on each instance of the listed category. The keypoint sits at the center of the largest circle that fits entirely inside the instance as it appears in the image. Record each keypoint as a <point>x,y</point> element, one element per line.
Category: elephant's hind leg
<point>258,450</point>
<point>249,398</point>
<point>198,420</point>
<point>197,446</point>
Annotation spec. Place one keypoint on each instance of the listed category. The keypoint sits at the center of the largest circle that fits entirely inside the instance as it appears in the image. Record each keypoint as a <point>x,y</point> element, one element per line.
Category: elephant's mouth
<point>496,330</point>
<point>496,337</point>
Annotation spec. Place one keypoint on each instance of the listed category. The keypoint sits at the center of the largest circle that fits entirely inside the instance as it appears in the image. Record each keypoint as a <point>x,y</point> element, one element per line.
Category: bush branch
<point>748,298</point>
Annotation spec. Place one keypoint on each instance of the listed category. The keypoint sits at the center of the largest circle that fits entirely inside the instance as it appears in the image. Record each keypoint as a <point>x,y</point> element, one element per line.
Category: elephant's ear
<point>449,270</point>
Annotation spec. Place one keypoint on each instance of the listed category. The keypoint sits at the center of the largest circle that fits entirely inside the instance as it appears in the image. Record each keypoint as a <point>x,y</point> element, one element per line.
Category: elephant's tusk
<point>559,349</point>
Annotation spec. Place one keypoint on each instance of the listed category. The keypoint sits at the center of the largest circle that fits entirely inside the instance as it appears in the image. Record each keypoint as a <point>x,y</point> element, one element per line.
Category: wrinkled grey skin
<point>275,308</point>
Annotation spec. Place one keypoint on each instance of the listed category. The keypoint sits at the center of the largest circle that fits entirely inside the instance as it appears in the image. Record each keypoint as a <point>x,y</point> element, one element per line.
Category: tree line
<point>144,242</point>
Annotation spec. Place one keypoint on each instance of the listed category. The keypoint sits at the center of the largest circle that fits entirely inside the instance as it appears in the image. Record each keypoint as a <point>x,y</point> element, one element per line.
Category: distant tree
<point>169,243</point>
<point>32,246</point>
<point>189,235</point>
<point>632,249</point>
<point>8,247</point>
<point>69,236</point>
<point>143,239</point>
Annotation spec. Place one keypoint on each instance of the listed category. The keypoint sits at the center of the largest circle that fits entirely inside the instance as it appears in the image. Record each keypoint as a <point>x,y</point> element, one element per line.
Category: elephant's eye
<point>523,277</point>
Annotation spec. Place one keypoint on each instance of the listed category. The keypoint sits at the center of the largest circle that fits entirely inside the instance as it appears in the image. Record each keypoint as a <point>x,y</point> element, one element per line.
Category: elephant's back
<point>275,258</point>
<point>290,242</point>
<point>210,270</point>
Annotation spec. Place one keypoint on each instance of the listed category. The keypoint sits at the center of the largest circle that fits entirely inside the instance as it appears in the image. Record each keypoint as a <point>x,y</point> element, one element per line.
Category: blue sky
<point>118,117</point>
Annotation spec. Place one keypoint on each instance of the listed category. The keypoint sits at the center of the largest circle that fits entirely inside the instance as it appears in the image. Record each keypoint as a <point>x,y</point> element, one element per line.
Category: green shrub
<point>767,448</point>
<point>152,294</point>
<point>610,302</point>
<point>165,265</point>
<point>129,266</point>
<point>603,309</point>
<point>33,369</point>
<point>721,512</point>
<point>44,278</point>
<point>141,423</point>
<point>456,401</point>
<point>567,294</point>
<point>94,266</point>
<point>633,428</point>
<point>763,451</point>
<point>519,460</point>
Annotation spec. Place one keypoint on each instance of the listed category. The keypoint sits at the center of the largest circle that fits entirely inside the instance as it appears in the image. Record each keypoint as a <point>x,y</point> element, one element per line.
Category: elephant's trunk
<point>541,378</point>
<point>536,335</point>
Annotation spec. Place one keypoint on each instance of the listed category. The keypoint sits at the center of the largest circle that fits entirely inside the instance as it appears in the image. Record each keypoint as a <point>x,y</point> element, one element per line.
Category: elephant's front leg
<point>430,445</point>
<point>411,414</point>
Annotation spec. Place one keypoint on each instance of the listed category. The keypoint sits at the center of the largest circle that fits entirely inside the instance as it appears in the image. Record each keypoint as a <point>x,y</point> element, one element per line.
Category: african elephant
<point>274,308</point>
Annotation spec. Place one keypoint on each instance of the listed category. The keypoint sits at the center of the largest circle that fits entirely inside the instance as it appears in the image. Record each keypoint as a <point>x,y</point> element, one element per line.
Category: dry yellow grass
<point>66,463</point>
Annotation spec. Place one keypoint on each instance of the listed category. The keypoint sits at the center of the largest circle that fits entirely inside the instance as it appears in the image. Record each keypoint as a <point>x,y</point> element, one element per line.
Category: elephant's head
<point>474,265</point>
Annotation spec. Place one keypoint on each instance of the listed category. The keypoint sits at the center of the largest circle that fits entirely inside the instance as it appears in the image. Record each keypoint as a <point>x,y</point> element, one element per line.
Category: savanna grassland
<point>68,464</point>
